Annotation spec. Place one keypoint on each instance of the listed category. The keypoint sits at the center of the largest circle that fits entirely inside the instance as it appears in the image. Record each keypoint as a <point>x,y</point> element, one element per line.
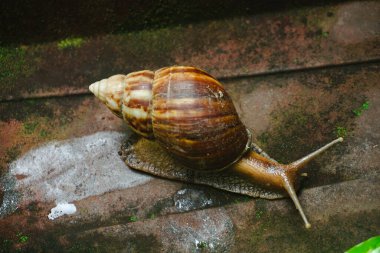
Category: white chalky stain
<point>62,209</point>
<point>74,169</point>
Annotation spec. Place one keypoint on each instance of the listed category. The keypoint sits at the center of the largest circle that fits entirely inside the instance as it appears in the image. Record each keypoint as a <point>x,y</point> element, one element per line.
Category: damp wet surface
<point>299,74</point>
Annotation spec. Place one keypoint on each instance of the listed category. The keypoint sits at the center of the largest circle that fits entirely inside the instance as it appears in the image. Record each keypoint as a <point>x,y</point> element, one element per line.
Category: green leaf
<point>372,245</point>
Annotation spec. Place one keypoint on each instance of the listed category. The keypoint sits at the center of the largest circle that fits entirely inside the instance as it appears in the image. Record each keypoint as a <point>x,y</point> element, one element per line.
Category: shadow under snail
<point>188,113</point>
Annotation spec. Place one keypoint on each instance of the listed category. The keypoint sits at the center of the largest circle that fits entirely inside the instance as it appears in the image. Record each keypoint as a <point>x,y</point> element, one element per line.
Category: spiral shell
<point>129,97</point>
<point>184,108</point>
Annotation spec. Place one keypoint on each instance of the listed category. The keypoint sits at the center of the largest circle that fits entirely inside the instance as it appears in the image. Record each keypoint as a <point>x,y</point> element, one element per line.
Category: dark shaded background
<point>34,21</point>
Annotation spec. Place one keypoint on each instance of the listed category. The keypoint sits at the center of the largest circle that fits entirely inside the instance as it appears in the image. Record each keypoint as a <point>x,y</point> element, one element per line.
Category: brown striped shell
<point>129,97</point>
<point>185,109</point>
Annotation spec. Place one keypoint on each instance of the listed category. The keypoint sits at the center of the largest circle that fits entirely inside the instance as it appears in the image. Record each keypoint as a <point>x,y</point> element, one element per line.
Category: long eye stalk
<point>278,176</point>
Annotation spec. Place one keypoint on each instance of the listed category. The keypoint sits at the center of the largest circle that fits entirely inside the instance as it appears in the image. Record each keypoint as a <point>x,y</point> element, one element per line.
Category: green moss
<point>44,133</point>
<point>70,43</point>
<point>146,43</point>
<point>290,128</point>
<point>29,110</point>
<point>318,20</point>
<point>258,214</point>
<point>260,206</point>
<point>341,131</point>
<point>11,62</point>
<point>133,218</point>
<point>263,138</point>
<point>13,65</point>
<point>259,233</point>
<point>365,105</point>
<point>241,199</point>
<point>29,127</point>
<point>276,232</point>
<point>6,246</point>
<point>22,238</point>
<point>358,111</point>
<point>12,153</point>
<point>307,123</point>
<point>82,248</point>
<point>325,34</point>
<point>202,245</point>
<point>160,205</point>
<point>95,242</point>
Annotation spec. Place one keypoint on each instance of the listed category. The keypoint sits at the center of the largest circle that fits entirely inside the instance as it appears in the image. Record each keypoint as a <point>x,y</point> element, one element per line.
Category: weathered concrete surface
<point>190,232</point>
<point>260,226</point>
<point>277,41</point>
<point>351,26</point>
<point>337,212</point>
<point>299,112</point>
<point>341,216</point>
<point>291,113</point>
<point>30,123</point>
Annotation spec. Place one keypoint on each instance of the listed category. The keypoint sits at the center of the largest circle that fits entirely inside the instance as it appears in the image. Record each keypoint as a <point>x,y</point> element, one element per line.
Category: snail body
<point>189,113</point>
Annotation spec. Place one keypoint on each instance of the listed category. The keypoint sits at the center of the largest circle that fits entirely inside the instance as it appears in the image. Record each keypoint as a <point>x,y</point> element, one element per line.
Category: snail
<point>193,133</point>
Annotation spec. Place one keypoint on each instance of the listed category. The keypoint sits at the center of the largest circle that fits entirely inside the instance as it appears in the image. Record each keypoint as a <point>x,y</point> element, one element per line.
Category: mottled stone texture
<point>298,77</point>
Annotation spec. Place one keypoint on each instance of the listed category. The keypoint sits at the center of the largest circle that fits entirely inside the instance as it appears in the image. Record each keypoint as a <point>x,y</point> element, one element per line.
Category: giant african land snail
<point>190,114</point>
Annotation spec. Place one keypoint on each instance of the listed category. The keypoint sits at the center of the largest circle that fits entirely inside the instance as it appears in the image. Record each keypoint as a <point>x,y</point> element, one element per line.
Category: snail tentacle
<point>293,195</point>
<point>274,175</point>
<point>300,163</point>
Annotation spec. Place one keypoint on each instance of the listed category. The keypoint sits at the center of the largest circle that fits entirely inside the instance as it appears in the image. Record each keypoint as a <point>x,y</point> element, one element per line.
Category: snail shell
<point>190,114</point>
<point>184,108</point>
